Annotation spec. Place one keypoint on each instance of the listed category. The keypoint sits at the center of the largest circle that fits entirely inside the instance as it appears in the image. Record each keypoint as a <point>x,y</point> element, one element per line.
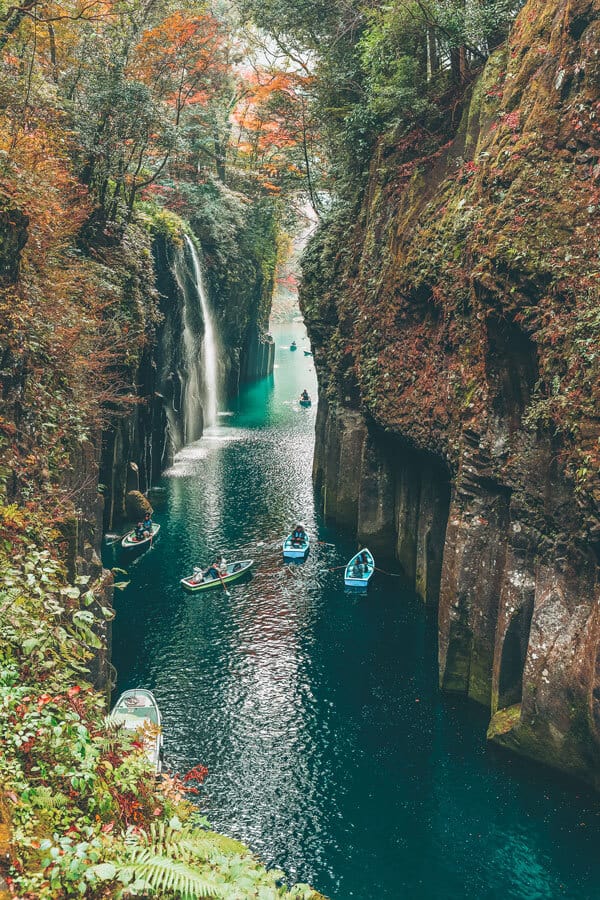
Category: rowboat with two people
<point>200,580</point>
<point>304,399</point>
<point>360,569</point>
<point>296,544</point>
<point>136,538</point>
<point>137,710</point>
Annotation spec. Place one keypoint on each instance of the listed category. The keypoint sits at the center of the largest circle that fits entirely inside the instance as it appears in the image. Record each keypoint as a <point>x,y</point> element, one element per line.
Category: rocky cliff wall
<point>139,445</point>
<point>239,241</point>
<point>453,313</point>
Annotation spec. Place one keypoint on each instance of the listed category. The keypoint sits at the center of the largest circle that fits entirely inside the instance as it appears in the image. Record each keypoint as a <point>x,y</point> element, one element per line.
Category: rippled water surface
<point>331,752</point>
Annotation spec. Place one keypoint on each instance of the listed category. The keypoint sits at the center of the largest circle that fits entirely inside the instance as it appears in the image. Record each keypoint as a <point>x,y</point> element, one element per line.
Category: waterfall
<point>195,383</point>
<point>209,353</point>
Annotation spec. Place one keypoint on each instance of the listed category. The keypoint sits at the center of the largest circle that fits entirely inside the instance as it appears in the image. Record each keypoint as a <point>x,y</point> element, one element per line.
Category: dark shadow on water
<point>330,749</point>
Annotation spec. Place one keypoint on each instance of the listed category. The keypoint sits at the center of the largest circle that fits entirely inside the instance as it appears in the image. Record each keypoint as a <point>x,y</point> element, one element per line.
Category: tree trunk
<point>15,20</point>
<point>432,54</point>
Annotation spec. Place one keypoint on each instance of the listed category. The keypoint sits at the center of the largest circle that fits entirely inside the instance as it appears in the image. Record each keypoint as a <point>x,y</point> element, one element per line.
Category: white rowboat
<point>295,549</point>
<point>137,710</point>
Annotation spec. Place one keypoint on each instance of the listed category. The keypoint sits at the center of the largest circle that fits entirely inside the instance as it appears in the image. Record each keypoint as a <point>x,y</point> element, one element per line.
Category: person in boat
<point>218,567</point>
<point>147,523</point>
<point>197,575</point>
<point>298,534</point>
<point>357,569</point>
<point>304,396</point>
<point>139,532</point>
<point>364,561</point>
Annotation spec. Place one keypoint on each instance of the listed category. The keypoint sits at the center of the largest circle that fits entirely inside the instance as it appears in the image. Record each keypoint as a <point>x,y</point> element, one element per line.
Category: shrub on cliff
<point>137,505</point>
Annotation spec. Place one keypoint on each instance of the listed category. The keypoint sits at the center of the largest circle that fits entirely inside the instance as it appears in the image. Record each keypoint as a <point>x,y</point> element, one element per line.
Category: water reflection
<point>330,750</point>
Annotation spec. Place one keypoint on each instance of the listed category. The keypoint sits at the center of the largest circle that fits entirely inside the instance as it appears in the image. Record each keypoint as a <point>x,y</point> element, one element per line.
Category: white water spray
<point>196,386</point>
<point>209,345</point>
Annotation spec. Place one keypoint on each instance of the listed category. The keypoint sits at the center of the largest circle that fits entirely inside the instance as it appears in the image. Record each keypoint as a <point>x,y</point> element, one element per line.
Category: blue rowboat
<point>305,403</point>
<point>293,346</point>
<point>360,569</point>
<point>295,549</point>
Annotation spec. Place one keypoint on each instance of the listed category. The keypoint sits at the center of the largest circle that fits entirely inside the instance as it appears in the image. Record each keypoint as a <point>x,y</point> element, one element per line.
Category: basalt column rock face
<point>258,355</point>
<point>168,380</point>
<point>239,244</point>
<point>452,307</point>
<point>137,446</point>
<point>393,500</point>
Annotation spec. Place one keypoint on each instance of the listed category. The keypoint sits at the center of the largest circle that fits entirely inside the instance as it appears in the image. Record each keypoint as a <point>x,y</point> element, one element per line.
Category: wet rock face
<point>449,311</point>
<point>258,354</point>
<point>395,501</point>
<point>138,447</point>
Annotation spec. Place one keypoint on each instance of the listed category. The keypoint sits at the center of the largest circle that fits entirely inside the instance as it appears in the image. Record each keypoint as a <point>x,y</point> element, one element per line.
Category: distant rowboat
<point>295,549</point>
<point>130,541</point>
<point>305,402</point>
<point>198,582</point>
<point>308,352</point>
<point>360,569</point>
<point>293,346</point>
<point>137,710</point>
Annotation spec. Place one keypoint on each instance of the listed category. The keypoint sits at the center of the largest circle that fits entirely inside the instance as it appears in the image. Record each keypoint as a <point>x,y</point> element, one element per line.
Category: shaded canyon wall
<point>452,311</point>
<point>139,446</point>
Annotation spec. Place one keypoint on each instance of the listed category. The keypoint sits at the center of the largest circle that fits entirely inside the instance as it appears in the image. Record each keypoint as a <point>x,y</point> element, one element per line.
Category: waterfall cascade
<point>209,342</point>
<point>200,378</point>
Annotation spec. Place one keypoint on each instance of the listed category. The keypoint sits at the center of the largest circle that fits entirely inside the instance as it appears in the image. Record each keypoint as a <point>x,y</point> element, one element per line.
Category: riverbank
<point>81,813</point>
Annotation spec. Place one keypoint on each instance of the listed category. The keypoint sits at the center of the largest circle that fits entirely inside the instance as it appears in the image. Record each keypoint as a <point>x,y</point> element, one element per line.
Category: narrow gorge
<point>272,266</point>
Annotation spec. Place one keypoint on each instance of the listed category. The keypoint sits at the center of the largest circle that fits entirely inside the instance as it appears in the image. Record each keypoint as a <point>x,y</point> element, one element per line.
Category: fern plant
<point>173,861</point>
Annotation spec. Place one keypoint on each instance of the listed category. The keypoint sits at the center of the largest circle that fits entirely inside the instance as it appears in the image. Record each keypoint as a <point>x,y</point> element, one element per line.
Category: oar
<point>391,574</point>
<point>223,584</point>
<point>116,540</point>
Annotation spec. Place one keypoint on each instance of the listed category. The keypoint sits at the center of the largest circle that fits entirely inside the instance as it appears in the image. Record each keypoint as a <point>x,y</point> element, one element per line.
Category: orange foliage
<point>181,58</point>
<point>272,124</point>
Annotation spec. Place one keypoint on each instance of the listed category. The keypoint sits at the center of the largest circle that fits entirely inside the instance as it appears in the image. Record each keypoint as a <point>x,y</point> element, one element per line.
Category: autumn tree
<point>275,134</point>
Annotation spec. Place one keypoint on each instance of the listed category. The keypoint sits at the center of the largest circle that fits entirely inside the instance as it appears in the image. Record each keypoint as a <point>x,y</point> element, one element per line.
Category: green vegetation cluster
<point>116,126</point>
<point>379,69</point>
<point>81,814</point>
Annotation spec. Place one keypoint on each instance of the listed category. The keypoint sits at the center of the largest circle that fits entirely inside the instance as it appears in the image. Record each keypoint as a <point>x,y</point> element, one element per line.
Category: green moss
<point>571,751</point>
<point>159,220</point>
<point>480,675</point>
<point>504,721</point>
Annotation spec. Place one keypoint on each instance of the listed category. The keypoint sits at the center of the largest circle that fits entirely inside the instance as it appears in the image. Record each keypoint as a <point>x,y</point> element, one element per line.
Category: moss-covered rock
<point>137,505</point>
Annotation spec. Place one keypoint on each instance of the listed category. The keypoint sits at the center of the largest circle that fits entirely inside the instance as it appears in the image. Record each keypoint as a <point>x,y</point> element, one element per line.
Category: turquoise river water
<point>331,752</point>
